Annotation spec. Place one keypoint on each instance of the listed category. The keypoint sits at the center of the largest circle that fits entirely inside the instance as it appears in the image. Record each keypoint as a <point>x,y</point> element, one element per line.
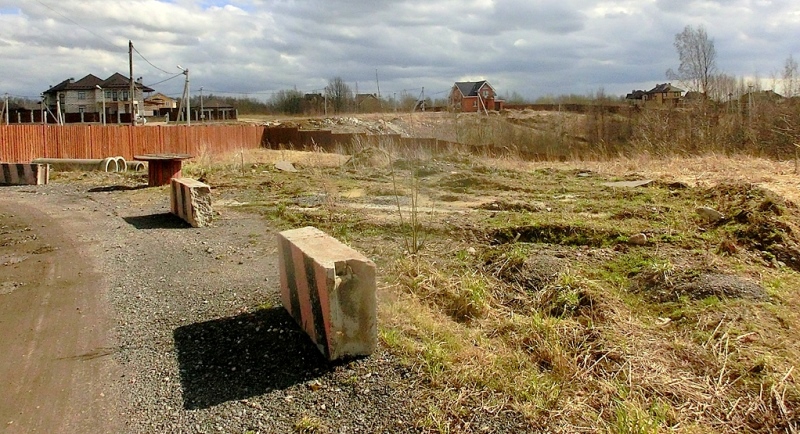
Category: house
<point>367,103</point>
<point>636,97</point>
<point>761,96</point>
<point>663,94</point>
<point>154,103</point>
<point>474,96</point>
<point>313,103</point>
<point>83,100</point>
<point>24,112</point>
<point>216,110</point>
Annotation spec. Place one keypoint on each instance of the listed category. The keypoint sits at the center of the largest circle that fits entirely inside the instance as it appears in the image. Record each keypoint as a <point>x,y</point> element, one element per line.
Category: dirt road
<point>55,370</point>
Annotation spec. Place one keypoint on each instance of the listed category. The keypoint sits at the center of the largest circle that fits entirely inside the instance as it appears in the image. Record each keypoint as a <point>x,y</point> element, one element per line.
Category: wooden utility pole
<point>130,63</point>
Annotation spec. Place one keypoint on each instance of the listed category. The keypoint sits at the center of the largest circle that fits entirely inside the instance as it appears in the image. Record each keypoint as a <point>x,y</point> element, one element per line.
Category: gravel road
<point>198,341</point>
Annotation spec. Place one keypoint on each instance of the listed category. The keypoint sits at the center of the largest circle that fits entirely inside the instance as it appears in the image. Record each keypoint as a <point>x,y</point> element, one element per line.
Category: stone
<point>329,289</point>
<point>285,166</point>
<point>191,200</point>
<point>709,214</point>
<point>639,239</point>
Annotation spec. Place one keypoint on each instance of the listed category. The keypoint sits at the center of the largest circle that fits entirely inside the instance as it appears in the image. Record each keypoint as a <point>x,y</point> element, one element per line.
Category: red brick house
<point>474,96</point>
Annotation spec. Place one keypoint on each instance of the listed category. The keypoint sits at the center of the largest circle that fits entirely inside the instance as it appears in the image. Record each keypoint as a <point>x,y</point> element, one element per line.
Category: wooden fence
<point>23,143</point>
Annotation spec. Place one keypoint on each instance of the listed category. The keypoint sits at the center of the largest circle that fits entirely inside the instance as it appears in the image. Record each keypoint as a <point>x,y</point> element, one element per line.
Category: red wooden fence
<point>23,143</point>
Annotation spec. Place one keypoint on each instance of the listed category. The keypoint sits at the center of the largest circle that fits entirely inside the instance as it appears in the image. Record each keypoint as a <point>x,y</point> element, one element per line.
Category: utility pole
<point>202,113</point>
<point>103,93</point>
<point>377,83</point>
<point>186,97</point>
<point>130,63</point>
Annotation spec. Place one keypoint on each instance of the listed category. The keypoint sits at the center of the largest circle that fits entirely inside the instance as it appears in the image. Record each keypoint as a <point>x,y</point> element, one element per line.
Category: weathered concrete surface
<point>191,200</point>
<point>24,174</point>
<point>329,289</point>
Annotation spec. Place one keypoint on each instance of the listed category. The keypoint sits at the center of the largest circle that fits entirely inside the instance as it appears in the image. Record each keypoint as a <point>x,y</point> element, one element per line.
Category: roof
<point>116,81</point>
<point>665,87</point>
<point>636,94</point>
<point>216,104</point>
<point>362,97</point>
<point>24,105</point>
<point>88,82</point>
<point>159,97</point>
<point>471,88</point>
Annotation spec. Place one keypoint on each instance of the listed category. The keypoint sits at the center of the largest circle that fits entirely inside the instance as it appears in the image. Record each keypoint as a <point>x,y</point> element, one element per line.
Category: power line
<point>162,81</point>
<point>151,64</point>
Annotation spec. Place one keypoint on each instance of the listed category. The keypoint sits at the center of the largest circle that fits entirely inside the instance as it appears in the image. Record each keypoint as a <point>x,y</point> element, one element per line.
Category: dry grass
<point>569,346</point>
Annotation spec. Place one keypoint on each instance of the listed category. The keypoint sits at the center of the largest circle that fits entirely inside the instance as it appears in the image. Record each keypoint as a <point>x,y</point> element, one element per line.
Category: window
<point>125,95</point>
<point>82,94</point>
<point>81,108</point>
<point>108,94</point>
<point>475,103</point>
<point>485,93</point>
<point>114,95</point>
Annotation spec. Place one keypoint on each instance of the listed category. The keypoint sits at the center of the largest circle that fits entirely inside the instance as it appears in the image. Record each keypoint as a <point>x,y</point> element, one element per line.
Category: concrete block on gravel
<point>191,200</point>
<point>24,174</point>
<point>329,289</point>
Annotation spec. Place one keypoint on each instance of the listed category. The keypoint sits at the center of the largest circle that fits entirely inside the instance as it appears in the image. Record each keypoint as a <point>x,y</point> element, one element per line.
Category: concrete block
<point>191,200</point>
<point>329,289</point>
<point>24,174</point>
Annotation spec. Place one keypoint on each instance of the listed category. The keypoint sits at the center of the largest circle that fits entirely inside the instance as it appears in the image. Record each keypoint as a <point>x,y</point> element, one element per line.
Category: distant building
<point>367,103</point>
<point>663,94</point>
<point>313,103</point>
<point>154,103</point>
<point>636,97</point>
<point>760,97</point>
<point>83,100</point>
<point>474,96</point>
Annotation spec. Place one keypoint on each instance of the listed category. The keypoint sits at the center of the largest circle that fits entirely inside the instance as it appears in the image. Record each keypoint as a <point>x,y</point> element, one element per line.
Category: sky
<point>254,48</point>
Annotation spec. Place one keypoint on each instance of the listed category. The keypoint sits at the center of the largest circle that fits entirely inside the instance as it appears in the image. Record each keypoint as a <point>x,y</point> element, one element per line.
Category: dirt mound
<point>696,285</point>
<point>514,206</point>
<point>563,234</point>
<point>759,220</point>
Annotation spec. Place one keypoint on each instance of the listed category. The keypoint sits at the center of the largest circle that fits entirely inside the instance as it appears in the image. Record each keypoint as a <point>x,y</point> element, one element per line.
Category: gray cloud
<point>257,47</point>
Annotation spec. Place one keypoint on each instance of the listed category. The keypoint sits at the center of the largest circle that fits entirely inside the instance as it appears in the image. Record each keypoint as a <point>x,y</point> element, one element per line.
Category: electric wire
<point>151,64</point>
<point>162,81</point>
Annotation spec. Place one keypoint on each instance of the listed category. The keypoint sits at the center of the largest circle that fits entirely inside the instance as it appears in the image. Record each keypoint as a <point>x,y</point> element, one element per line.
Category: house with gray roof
<point>474,96</point>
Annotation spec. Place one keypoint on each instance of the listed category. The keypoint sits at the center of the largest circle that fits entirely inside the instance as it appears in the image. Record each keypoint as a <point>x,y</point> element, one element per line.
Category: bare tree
<point>791,81</point>
<point>723,87</point>
<point>698,59</point>
<point>339,94</point>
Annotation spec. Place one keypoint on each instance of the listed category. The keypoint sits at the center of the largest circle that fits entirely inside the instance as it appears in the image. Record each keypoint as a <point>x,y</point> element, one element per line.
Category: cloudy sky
<point>256,47</point>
